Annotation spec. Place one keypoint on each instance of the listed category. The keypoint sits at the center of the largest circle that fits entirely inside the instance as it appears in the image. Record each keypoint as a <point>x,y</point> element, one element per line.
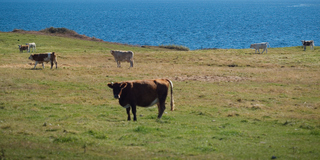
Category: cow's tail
<point>171,90</point>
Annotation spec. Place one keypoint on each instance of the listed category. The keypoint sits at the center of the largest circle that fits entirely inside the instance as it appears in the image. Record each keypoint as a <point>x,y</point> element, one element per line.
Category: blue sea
<point>196,24</point>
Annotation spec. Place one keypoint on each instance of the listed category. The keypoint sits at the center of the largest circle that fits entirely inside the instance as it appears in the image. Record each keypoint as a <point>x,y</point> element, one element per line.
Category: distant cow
<point>31,45</point>
<point>23,47</point>
<point>257,46</point>
<point>123,56</point>
<point>307,43</point>
<point>44,57</point>
<point>144,93</point>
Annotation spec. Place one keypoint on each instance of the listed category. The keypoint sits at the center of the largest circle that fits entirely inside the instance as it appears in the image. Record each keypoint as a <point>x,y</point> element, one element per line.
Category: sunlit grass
<point>230,104</point>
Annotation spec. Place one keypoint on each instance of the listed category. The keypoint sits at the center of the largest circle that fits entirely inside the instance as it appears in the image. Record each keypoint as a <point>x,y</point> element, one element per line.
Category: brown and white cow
<point>44,57</point>
<point>144,93</point>
<point>123,56</point>
<point>307,43</point>
<point>23,47</point>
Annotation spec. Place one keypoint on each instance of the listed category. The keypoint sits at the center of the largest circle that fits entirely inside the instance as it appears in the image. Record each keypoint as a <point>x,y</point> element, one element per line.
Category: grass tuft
<point>65,139</point>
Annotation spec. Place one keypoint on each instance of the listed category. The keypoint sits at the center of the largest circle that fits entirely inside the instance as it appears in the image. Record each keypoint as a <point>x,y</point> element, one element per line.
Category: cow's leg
<point>134,112</point>
<point>128,113</point>
<point>162,102</point>
<point>161,108</point>
<point>131,63</point>
<point>35,65</point>
<point>263,50</point>
<point>51,64</point>
<point>42,65</point>
<point>304,47</point>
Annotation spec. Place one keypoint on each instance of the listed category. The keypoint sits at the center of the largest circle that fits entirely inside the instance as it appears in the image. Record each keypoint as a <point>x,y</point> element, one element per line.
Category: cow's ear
<point>110,85</point>
<point>123,85</point>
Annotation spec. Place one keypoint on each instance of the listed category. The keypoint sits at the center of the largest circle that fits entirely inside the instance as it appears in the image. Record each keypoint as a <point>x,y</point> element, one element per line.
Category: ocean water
<point>196,24</point>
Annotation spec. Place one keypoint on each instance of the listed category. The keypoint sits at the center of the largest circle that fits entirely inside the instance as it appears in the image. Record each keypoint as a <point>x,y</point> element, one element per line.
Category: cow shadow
<point>34,69</point>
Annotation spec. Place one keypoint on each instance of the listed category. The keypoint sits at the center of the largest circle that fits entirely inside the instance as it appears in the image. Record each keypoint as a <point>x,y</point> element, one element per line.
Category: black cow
<point>144,93</point>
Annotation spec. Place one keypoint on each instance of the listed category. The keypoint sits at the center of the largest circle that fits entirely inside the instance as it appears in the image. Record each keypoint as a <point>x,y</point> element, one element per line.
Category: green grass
<point>230,103</point>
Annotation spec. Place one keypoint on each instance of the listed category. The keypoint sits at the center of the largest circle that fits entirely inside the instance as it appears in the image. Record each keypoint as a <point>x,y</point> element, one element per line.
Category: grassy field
<point>230,103</point>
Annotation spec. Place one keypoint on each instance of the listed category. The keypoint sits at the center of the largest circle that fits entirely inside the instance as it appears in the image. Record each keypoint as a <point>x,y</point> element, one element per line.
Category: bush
<point>180,48</point>
<point>58,30</point>
<point>17,30</point>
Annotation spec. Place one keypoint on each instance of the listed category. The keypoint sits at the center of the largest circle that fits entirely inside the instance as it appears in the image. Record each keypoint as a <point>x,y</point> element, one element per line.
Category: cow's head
<point>112,52</point>
<point>117,88</point>
<point>31,57</point>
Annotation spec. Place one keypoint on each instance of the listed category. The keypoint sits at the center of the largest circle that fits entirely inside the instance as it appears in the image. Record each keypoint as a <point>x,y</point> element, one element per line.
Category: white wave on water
<point>301,5</point>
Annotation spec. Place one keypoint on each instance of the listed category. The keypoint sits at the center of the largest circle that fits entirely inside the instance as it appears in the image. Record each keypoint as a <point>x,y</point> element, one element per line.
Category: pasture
<point>230,103</point>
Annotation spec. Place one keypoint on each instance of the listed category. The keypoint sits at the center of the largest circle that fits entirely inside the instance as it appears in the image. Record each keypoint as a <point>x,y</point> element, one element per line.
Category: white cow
<point>31,45</point>
<point>263,45</point>
<point>123,56</point>
<point>307,43</point>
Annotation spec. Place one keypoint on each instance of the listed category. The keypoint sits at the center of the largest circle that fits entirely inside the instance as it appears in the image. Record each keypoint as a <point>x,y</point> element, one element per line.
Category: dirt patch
<point>14,66</point>
<point>206,78</point>
<point>28,65</point>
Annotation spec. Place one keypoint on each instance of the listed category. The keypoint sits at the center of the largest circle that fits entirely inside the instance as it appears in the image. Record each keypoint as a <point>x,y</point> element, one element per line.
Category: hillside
<point>230,103</point>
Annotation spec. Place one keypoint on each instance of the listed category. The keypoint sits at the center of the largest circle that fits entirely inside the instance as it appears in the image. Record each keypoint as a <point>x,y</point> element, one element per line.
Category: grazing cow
<point>123,56</point>
<point>307,43</point>
<point>257,46</point>
<point>23,47</point>
<point>31,45</point>
<point>144,93</point>
<point>44,57</point>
